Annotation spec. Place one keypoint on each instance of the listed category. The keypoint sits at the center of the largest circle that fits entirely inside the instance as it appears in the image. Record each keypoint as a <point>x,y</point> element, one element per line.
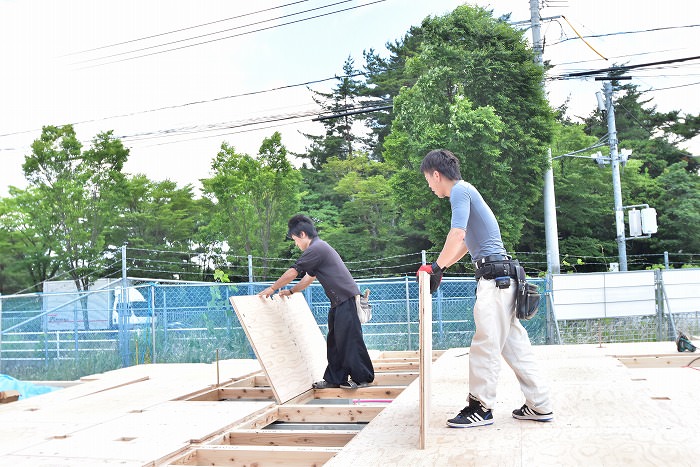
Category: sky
<point>175,78</point>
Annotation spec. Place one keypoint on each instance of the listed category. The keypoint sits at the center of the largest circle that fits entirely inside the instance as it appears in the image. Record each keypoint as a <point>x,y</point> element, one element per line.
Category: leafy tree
<point>653,138</point>
<point>26,243</point>
<point>253,198</point>
<point>678,210</point>
<point>339,139</point>
<point>73,194</point>
<point>478,95</point>
<point>157,216</point>
<point>367,226</point>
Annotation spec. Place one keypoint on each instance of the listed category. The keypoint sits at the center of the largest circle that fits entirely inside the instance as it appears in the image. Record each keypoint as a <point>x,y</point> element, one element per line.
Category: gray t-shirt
<point>471,213</point>
<point>322,261</point>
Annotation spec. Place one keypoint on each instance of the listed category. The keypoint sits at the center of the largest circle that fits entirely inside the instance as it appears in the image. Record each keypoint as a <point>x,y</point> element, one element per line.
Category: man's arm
<point>454,248</point>
<point>289,275</point>
<point>301,285</point>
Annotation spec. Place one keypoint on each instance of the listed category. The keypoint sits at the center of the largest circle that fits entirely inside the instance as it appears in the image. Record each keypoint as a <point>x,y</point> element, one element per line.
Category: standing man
<point>349,364</point>
<point>474,229</point>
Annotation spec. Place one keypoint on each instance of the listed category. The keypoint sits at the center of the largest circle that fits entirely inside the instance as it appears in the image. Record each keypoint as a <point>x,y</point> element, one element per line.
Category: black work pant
<point>345,348</point>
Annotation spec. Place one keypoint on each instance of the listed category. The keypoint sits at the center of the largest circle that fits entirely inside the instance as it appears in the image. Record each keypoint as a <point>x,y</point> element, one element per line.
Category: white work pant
<point>499,333</point>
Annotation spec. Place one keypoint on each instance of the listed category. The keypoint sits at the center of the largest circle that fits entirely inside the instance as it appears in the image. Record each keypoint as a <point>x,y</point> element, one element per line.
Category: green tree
<point>478,95</point>
<point>74,195</point>
<point>367,225</point>
<point>678,210</point>
<point>339,138</point>
<point>252,198</point>
<point>157,218</point>
<point>27,256</point>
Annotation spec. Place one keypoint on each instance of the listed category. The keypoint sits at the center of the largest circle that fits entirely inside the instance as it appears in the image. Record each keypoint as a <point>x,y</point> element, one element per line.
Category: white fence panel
<point>682,289</point>
<point>603,295</point>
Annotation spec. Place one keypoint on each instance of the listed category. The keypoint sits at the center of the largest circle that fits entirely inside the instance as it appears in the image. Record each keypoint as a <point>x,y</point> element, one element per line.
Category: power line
<point>629,32</point>
<point>207,101</point>
<point>623,68</point>
<point>185,29</point>
<point>227,37</point>
<point>671,87</point>
<point>210,34</point>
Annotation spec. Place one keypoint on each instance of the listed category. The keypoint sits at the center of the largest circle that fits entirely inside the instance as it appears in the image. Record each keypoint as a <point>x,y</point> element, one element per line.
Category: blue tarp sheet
<point>25,388</point>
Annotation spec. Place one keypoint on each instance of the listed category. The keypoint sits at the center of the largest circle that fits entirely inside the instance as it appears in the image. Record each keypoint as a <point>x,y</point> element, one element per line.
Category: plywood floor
<point>645,411</point>
<point>606,413</point>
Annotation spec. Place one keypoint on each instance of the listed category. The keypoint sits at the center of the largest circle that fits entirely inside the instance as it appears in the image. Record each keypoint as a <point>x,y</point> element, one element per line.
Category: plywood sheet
<point>286,339</point>
<point>638,420</point>
<point>425,310</point>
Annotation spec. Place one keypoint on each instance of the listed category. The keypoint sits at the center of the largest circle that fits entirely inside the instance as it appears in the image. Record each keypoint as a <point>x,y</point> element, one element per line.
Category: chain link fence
<point>63,335</point>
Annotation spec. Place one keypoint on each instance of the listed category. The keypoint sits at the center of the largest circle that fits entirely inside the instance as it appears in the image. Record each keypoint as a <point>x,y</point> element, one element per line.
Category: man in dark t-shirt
<point>349,364</point>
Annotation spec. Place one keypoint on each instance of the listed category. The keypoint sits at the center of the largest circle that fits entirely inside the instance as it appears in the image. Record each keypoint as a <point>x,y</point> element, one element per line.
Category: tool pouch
<point>364,308</point>
<point>527,298</point>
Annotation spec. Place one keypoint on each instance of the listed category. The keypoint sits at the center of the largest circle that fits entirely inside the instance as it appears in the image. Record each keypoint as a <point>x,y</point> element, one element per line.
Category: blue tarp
<point>25,388</point>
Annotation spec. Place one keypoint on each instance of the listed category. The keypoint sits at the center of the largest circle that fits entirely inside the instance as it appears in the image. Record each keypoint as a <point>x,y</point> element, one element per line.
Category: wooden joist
<point>271,437</point>
<point>240,456</point>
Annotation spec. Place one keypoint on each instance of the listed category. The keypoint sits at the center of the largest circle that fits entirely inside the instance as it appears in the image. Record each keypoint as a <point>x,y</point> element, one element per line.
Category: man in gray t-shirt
<point>349,363</point>
<point>474,229</point>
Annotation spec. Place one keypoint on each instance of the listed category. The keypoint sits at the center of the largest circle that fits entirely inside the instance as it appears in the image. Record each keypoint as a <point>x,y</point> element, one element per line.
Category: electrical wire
<point>187,104</point>
<point>184,29</point>
<point>629,32</point>
<point>209,34</point>
<point>581,37</point>
<point>227,37</point>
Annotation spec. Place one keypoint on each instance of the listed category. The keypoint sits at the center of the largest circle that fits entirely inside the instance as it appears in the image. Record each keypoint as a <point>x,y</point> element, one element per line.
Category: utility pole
<point>550,211</point>
<point>617,187</point>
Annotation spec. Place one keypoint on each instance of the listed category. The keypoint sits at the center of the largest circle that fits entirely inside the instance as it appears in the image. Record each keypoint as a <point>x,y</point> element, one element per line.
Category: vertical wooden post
<point>425,333</point>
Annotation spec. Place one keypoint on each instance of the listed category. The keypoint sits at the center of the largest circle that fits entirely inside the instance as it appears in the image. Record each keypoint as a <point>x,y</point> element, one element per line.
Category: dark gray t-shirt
<point>471,213</point>
<point>322,261</point>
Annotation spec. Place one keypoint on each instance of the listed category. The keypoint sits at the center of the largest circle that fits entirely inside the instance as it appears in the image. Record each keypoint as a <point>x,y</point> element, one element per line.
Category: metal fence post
<point>250,274</point>
<point>441,332</point>
<point>408,314</point>
<point>658,294</point>
<point>153,322</point>
<point>122,315</point>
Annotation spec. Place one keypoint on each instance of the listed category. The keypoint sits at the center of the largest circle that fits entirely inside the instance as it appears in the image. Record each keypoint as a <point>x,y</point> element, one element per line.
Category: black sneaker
<point>472,415</point>
<point>526,413</point>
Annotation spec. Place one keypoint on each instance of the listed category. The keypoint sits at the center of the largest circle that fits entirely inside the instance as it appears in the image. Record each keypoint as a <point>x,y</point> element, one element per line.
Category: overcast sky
<point>102,65</point>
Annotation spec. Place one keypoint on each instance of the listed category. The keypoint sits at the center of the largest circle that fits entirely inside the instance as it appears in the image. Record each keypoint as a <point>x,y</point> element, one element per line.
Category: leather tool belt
<point>502,267</point>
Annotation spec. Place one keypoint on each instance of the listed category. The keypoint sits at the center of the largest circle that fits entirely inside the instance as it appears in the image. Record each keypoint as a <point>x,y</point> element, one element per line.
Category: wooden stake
<point>425,332</point>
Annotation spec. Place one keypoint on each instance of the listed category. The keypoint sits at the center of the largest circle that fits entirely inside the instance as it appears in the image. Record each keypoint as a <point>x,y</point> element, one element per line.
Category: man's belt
<point>490,259</point>
<point>498,268</point>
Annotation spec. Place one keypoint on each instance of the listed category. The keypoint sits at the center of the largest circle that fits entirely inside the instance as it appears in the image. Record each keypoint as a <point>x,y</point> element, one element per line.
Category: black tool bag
<point>527,298</point>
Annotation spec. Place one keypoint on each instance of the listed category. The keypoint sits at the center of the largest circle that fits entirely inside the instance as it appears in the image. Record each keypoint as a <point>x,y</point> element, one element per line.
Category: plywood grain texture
<point>286,339</point>
<point>425,313</point>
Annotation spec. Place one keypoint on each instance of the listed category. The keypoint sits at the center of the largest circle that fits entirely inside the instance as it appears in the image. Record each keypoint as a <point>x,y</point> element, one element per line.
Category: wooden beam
<point>658,361</point>
<point>396,366</point>
<point>395,378</point>
<point>327,413</point>
<point>240,456</point>
<point>425,347</point>
<point>370,392</point>
<point>317,438</point>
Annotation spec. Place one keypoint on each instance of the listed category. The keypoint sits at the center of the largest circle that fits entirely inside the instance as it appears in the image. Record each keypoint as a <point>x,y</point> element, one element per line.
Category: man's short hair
<point>444,162</point>
<point>301,223</point>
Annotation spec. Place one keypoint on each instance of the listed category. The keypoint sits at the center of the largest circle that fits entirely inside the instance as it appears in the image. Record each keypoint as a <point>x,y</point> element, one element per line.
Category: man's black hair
<point>301,223</point>
<point>444,162</point>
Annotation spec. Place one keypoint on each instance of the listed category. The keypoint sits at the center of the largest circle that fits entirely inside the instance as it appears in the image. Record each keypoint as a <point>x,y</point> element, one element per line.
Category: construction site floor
<point>615,404</point>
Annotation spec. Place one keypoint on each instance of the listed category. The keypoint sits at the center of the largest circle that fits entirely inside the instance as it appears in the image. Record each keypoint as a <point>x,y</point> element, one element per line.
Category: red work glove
<point>435,272</point>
